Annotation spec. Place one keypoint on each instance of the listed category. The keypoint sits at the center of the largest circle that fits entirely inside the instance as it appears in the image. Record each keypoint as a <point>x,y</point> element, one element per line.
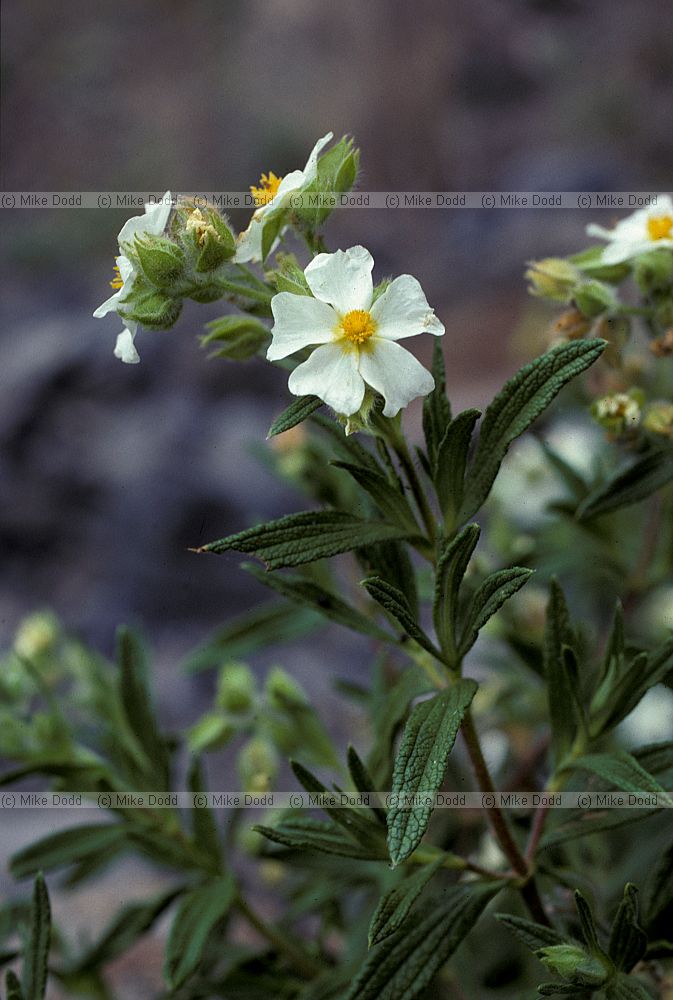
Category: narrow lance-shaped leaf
<point>451,566</point>
<point>13,986</point>
<point>587,924</point>
<point>560,684</point>
<point>135,698</point>
<point>321,836</point>
<point>436,406</point>
<point>394,906</point>
<point>628,940</point>
<point>204,827</point>
<point>644,477</point>
<point>522,399</point>
<point>451,461</point>
<point>68,846</point>
<point>489,598</point>
<point>236,338</point>
<point>298,411</point>
<point>355,821</point>
<point>199,911</point>
<point>420,765</point>
<point>391,503</point>
<point>627,988</point>
<point>362,780</point>
<point>533,936</point>
<point>396,605</point>
<point>305,537</point>
<point>405,962</point>
<point>623,771</point>
<point>39,941</point>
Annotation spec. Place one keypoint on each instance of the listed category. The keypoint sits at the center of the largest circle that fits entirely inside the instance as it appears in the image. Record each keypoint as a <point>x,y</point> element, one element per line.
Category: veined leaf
<point>451,461</point>
<point>403,964</point>
<point>390,561</point>
<point>298,411</point>
<point>394,907</point>
<point>68,846</point>
<point>587,924</point>
<point>135,698</point>
<point>451,566</point>
<point>560,684</point>
<point>626,683</point>
<point>273,622</point>
<point>627,988</point>
<point>355,821</point>
<point>39,941</point>
<point>491,595</point>
<point>199,912</point>
<point>436,406</point>
<point>628,940</point>
<point>204,827</point>
<point>323,601</point>
<point>421,762</point>
<point>621,770</point>
<point>309,834</point>
<point>348,446</point>
<point>532,935</point>
<point>522,399</point>
<point>362,780</point>
<point>395,604</point>
<point>644,477</point>
<point>391,503</point>
<point>305,537</point>
<point>236,338</point>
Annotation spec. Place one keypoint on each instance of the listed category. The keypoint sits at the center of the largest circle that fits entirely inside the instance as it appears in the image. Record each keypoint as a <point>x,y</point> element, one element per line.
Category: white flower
<point>649,228</point>
<point>358,339</point>
<point>153,222</point>
<point>273,196</point>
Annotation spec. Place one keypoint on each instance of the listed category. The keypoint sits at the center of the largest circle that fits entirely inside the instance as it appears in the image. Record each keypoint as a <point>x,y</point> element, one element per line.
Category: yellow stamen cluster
<point>201,226</point>
<point>358,326</point>
<point>268,188</point>
<point>117,282</point>
<point>660,227</point>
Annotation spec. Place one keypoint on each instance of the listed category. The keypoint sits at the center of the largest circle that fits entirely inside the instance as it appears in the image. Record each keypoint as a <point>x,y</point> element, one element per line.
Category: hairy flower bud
<point>552,278</point>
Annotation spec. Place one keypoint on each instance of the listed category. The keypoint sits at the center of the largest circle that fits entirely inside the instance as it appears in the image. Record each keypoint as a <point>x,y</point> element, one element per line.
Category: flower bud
<point>283,691</point>
<point>572,963</point>
<point>161,260</point>
<point>211,732</point>
<point>654,271</point>
<point>257,765</point>
<point>593,298</point>
<point>207,232</point>
<point>659,419</point>
<point>37,634</point>
<point>236,688</point>
<point>552,278</point>
<point>619,411</point>
<point>150,307</point>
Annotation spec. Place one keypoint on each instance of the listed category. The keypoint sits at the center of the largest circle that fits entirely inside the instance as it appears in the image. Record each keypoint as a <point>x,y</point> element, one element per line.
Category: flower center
<point>200,226</point>
<point>358,326</point>
<point>117,282</point>
<point>268,188</point>
<point>659,227</point>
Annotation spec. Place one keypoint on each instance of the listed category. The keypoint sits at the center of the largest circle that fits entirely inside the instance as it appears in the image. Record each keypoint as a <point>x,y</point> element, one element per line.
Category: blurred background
<point>109,472</point>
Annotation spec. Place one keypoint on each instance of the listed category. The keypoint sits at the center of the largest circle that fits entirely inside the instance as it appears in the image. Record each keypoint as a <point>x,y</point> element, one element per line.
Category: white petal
<point>332,374</point>
<point>395,373</point>
<point>153,221</point>
<point>125,348</point>
<point>403,311</point>
<point>311,168</point>
<point>619,251</point>
<point>344,278</point>
<point>600,231</point>
<point>249,243</point>
<point>126,273</point>
<point>110,305</point>
<point>301,321</point>
<point>290,182</point>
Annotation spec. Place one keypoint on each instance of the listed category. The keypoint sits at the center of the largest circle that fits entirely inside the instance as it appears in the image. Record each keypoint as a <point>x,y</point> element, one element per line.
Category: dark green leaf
<point>644,477</point>
<point>628,940</point>
<point>394,907</point>
<point>355,821</point>
<point>587,923</point>
<point>532,935</point>
<point>270,623</point>
<point>199,912</point>
<point>39,941</point>
<point>436,406</point>
<point>308,834</point>
<point>622,771</point>
<point>390,561</point>
<point>659,888</point>
<point>561,687</point>
<point>347,445</point>
<point>324,602</point>
<point>362,780</point>
<point>296,413</point>
<point>625,683</point>
<point>68,846</point>
<point>236,338</point>
<point>453,560</point>
<point>449,469</point>
<point>421,762</point>
<point>301,538</point>
<point>523,398</point>
<point>391,503</point>
<point>13,986</point>
<point>138,709</point>
<point>403,964</point>
<point>491,595</point>
<point>395,604</point>
<point>627,988</point>
<point>204,827</point>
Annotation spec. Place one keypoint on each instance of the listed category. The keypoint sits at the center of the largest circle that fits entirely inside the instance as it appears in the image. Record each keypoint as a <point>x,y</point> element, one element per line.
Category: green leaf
<point>453,560</point>
<point>436,406</point>
<point>68,846</point>
<point>362,780</point>
<point>391,503</point>
<point>125,928</point>
<point>138,709</point>
<point>271,623</point>
<point>39,941</point>
<point>390,561</point>
<point>532,935</point>
<point>523,398</point>
<point>627,988</point>
<point>628,940</point>
<point>395,604</point>
<point>305,537</point>
<point>404,963</point>
<point>204,827</point>
<point>561,685</point>
<point>237,338</point>
<point>346,445</point>
<point>354,821</point>
<point>625,683</point>
<point>289,277</point>
<point>644,477</point>
<point>450,463</point>
<point>13,986</point>
<point>587,924</point>
<point>394,907</point>
<point>491,595</point>
<point>298,411</point>
<point>659,887</point>
<point>309,834</point>
<point>622,771</point>
<point>421,762</point>
<point>198,914</point>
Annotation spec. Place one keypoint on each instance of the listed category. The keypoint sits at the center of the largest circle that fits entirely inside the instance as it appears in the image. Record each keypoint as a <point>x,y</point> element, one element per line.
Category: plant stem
<point>500,828</point>
<point>302,962</point>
